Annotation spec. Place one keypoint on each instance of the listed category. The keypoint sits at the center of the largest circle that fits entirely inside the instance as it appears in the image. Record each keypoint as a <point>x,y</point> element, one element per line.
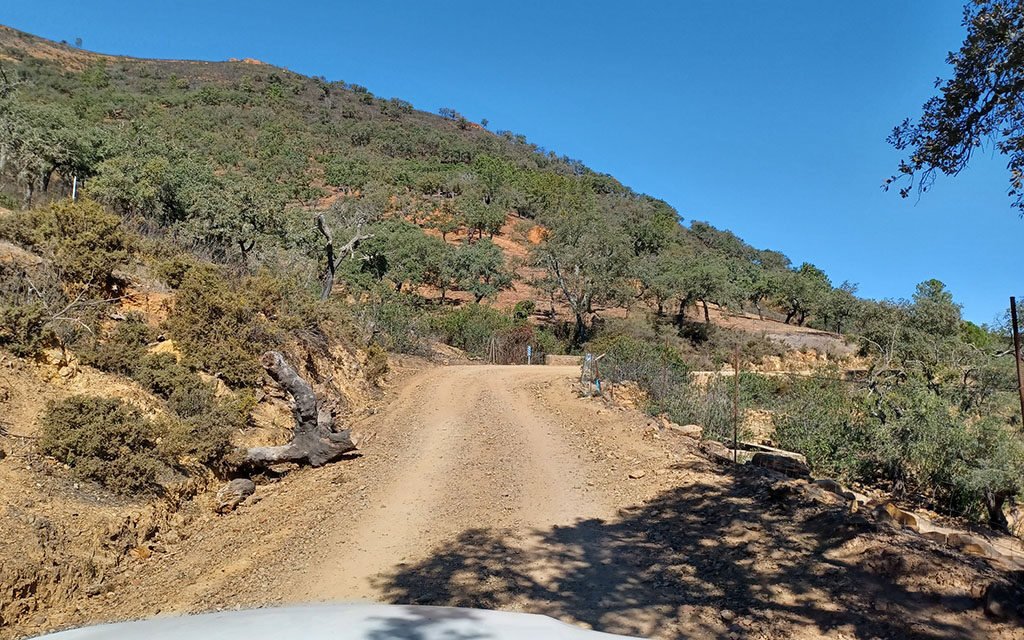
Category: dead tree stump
<point>314,440</point>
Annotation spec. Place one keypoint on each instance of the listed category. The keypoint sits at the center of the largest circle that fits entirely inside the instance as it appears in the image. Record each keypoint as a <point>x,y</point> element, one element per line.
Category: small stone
<point>233,493</point>
<point>637,474</point>
<point>171,537</point>
<point>727,615</point>
<point>282,468</point>
<point>694,431</point>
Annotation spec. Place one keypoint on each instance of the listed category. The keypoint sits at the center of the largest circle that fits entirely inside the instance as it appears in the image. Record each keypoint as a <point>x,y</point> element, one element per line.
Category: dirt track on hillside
<point>480,453</point>
<point>497,487</point>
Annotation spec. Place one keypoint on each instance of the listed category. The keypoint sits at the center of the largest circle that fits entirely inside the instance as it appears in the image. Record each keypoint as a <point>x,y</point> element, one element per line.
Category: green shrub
<point>199,423</point>
<point>102,439</point>
<point>471,327</point>
<point>23,328</point>
<point>203,433</point>
<point>548,342</point>
<point>8,201</point>
<point>172,271</point>
<point>994,470</point>
<point>202,422</point>
<point>85,241</point>
<point>523,309</point>
<point>221,325</point>
<point>89,242</point>
<point>709,406</point>
<point>376,366</point>
<point>162,374</point>
<point>393,320</point>
<point>659,370</point>
<point>27,229</point>
<point>758,391</point>
<point>820,420</point>
<point>123,349</point>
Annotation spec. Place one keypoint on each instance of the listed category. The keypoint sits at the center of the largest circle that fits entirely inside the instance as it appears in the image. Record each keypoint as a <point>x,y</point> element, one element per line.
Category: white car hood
<point>342,621</point>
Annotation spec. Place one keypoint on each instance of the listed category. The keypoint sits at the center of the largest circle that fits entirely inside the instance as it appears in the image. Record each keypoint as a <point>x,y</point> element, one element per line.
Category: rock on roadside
<point>233,493</point>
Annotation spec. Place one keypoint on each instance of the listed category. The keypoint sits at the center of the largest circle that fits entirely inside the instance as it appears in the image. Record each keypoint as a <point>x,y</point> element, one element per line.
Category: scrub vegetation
<point>278,207</point>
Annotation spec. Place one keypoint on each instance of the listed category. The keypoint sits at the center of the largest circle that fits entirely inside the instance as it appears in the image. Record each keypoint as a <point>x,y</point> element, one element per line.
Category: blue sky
<point>766,118</point>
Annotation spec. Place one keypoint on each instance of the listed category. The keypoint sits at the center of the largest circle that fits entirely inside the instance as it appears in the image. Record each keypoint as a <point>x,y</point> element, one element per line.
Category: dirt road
<point>500,488</point>
<point>479,452</point>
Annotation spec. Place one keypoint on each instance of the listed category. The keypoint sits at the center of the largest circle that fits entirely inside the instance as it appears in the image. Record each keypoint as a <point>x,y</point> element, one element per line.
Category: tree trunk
<point>789,315</point>
<point>760,311</point>
<point>332,264</point>
<point>314,439</point>
<point>328,282</point>
<point>245,247</point>
<point>707,316</point>
<point>579,335</point>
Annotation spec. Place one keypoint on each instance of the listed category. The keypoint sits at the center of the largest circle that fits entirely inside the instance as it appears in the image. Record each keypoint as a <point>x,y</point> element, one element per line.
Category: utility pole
<point>1016,353</point>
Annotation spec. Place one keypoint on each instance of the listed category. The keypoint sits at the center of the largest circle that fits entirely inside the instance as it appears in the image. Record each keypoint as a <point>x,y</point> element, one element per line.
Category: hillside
<point>216,271</point>
<point>233,155</point>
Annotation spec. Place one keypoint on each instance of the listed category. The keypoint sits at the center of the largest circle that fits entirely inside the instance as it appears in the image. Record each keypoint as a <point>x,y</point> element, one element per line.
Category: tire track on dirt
<point>478,454</point>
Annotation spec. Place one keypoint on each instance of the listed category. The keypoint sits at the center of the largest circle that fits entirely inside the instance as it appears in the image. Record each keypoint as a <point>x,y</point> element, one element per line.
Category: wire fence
<point>515,346</point>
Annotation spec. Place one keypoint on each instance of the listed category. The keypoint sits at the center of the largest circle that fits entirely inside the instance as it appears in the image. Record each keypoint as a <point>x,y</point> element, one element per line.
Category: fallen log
<point>314,439</point>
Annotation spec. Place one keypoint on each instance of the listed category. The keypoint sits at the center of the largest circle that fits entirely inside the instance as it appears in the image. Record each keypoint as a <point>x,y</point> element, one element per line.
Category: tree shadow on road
<point>744,556</point>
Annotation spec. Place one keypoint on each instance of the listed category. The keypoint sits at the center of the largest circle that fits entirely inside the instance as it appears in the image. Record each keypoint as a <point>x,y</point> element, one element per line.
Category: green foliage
<point>394,320</point>
<point>123,349</point>
<point>102,439</point>
<point>709,406</point>
<point>85,242</point>
<point>762,391</point>
<point>402,253</point>
<point>819,421</point>
<point>200,422</point>
<point>23,328</point>
<point>106,440</point>
<point>975,107</point>
<point>203,426</point>
<point>224,326</point>
<point>801,291</point>
<point>906,434</point>
<point>658,370</point>
<point>88,242</point>
<point>523,309</point>
<point>172,271</point>
<point>471,327</point>
<point>837,308</point>
<point>478,268</point>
